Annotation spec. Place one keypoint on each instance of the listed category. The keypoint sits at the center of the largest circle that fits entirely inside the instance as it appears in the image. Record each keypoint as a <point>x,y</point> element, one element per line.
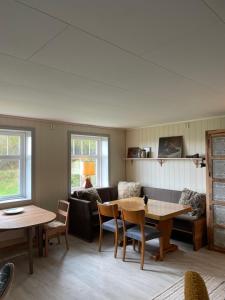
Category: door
<point>215,152</point>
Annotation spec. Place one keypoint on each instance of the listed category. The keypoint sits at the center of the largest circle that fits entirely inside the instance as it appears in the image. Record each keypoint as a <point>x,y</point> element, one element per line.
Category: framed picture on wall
<point>170,147</point>
<point>134,152</point>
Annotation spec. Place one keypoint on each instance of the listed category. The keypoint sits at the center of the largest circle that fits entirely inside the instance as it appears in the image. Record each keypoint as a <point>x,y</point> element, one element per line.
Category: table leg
<point>30,249</point>
<point>40,240</point>
<point>165,227</point>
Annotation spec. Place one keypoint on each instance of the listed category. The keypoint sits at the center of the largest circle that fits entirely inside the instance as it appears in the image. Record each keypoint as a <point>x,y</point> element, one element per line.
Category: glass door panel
<point>219,168</point>
<point>219,214</point>
<point>216,188</point>
<point>218,191</point>
<point>219,237</point>
<point>218,145</point>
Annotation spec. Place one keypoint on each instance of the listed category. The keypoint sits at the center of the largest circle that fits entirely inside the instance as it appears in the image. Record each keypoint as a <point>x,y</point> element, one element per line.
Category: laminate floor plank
<point>84,273</point>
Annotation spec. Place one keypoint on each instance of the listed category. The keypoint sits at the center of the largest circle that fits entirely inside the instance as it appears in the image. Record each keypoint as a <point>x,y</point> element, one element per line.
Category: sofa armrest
<point>80,218</point>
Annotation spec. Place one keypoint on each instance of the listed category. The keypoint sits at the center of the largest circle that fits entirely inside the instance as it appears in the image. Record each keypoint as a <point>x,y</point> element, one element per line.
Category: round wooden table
<point>32,217</point>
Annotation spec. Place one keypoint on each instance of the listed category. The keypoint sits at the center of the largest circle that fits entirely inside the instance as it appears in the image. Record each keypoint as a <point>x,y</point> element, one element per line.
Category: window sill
<point>14,202</point>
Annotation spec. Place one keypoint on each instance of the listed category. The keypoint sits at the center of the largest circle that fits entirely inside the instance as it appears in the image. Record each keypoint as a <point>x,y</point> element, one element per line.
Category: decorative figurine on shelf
<point>145,198</point>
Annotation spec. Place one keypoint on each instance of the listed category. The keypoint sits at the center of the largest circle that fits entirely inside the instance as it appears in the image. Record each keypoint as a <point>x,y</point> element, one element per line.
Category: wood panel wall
<point>173,174</point>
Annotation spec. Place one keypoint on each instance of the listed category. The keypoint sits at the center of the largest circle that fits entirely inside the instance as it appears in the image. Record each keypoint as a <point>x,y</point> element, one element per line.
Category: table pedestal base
<point>165,228</point>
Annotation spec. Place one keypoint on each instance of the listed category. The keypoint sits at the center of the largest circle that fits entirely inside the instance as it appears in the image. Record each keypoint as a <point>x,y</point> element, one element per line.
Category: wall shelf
<point>161,161</point>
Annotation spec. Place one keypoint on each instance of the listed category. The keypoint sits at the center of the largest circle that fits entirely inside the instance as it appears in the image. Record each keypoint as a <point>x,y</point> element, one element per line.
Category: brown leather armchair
<point>83,216</point>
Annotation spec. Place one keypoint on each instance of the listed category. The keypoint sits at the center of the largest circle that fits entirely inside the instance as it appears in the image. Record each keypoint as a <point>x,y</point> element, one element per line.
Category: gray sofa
<point>186,224</point>
<point>83,220</point>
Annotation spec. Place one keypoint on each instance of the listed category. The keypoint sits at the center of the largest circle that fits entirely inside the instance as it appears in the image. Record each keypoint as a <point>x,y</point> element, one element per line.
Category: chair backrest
<point>108,210</point>
<point>194,287</point>
<point>63,211</point>
<point>134,216</point>
<point>6,278</point>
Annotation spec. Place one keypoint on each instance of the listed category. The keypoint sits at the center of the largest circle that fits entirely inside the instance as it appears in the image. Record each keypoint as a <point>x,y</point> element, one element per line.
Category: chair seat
<point>54,224</point>
<point>111,225</point>
<point>5,276</point>
<point>149,232</point>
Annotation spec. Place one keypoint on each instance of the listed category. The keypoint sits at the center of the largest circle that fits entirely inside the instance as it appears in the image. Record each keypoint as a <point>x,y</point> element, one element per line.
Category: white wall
<point>51,156</point>
<point>173,174</point>
<point>51,159</point>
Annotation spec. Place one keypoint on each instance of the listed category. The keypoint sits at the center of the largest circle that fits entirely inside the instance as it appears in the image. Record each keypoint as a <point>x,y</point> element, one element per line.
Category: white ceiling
<point>124,63</point>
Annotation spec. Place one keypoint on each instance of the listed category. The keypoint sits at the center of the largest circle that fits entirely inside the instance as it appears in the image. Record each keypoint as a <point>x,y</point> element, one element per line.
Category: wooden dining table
<point>160,212</point>
<point>32,217</point>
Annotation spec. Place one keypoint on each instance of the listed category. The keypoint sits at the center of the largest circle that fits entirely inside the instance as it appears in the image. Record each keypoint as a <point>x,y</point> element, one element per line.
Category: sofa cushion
<point>128,189</point>
<point>161,194</point>
<point>196,200</point>
<point>186,218</point>
<point>91,195</point>
<point>108,194</point>
<point>184,222</point>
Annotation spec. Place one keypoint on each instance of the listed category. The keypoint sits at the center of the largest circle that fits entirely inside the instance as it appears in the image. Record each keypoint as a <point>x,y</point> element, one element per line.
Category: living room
<point>112,149</point>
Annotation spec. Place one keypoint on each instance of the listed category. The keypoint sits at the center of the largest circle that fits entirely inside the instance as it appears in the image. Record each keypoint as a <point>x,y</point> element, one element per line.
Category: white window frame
<point>22,158</point>
<point>98,157</point>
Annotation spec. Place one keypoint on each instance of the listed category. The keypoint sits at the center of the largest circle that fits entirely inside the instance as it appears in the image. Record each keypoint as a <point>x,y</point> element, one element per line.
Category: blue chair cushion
<point>111,225</point>
<point>149,232</point>
<point>5,275</point>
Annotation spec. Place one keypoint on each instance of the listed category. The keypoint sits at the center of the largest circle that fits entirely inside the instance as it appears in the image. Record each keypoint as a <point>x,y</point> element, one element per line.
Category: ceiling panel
<point>38,91</point>
<point>139,26</point>
<point>78,75</point>
<point>29,102</point>
<point>218,6</point>
<point>78,53</point>
<point>200,56</point>
<point>32,102</point>
<point>24,30</point>
<point>25,73</point>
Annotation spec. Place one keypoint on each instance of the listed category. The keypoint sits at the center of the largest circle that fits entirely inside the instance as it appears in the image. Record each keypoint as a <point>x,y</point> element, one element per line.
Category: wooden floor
<point>83,273</point>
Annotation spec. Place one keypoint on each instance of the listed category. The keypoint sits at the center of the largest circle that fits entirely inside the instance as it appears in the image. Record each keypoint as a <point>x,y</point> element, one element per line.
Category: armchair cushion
<point>6,274</point>
<point>91,195</point>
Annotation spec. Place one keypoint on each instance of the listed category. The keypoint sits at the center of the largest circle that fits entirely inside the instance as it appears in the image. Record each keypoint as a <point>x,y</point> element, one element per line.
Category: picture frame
<point>170,147</point>
<point>133,152</point>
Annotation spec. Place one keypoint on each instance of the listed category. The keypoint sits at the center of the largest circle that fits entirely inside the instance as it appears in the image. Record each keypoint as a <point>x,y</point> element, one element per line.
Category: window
<point>15,164</point>
<point>89,148</point>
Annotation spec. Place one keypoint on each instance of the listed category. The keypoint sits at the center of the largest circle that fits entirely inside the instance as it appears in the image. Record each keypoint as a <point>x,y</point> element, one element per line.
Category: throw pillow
<point>128,189</point>
<point>196,200</point>
<point>91,195</point>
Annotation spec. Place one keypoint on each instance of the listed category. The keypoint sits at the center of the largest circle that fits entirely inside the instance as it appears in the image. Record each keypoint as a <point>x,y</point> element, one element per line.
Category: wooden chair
<point>6,278</point>
<point>140,233</point>
<point>113,225</point>
<point>59,226</point>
